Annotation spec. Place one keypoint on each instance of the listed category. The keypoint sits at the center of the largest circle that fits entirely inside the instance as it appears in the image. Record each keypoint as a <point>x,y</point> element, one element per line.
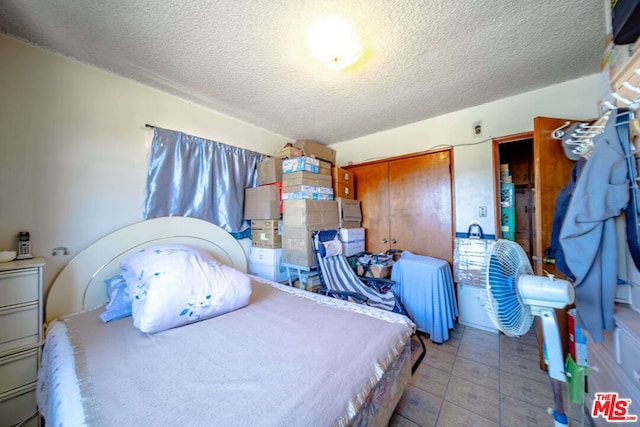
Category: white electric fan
<point>514,295</point>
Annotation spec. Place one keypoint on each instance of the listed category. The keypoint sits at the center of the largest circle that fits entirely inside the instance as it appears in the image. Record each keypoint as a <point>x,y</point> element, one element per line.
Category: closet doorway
<point>550,170</point>
<point>516,190</point>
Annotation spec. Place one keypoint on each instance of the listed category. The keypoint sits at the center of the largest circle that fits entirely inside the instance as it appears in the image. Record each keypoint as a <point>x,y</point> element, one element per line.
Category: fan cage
<point>505,262</point>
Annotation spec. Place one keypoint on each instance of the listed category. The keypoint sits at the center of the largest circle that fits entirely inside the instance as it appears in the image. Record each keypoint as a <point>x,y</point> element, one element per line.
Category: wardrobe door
<point>420,200</point>
<point>372,189</point>
<point>552,170</point>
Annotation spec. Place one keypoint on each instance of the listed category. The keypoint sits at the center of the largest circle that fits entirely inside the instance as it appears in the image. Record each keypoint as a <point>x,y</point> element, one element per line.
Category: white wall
<point>73,148</point>
<point>473,163</point>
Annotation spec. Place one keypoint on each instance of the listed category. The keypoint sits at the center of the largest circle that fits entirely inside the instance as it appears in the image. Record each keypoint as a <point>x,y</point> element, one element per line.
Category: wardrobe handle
<point>385,240</point>
<point>394,241</point>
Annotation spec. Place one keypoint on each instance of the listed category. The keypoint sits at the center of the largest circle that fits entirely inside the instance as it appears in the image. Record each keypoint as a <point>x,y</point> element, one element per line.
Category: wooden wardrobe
<point>407,203</point>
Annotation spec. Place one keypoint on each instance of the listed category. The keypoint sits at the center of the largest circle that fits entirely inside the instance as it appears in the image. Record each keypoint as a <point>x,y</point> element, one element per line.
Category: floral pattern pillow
<point>174,285</point>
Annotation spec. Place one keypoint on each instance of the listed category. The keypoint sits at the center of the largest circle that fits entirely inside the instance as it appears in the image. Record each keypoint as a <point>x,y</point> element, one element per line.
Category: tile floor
<point>477,378</point>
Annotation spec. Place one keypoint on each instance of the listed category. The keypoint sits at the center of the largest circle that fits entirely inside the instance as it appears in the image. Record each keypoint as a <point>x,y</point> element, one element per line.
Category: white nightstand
<point>20,339</point>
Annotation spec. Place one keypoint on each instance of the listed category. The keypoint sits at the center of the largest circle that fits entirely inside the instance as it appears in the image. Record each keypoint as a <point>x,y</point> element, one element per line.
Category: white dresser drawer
<point>19,326</point>
<point>629,353</point>
<point>605,376</point>
<point>17,287</point>
<point>18,407</point>
<point>18,370</point>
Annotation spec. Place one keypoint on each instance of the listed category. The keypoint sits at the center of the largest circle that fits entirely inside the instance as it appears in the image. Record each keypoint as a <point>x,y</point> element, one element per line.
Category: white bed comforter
<point>289,358</point>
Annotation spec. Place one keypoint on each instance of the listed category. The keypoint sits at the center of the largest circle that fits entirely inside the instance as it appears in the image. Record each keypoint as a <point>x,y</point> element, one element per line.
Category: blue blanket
<point>425,288</point>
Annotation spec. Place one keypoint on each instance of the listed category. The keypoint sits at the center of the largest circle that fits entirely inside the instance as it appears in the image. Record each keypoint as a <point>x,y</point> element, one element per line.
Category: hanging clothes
<point>562,204</point>
<point>588,235</point>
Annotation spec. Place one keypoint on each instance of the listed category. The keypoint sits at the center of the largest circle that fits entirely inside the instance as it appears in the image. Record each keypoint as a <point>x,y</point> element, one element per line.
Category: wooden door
<point>552,170</point>
<point>372,189</point>
<point>420,200</point>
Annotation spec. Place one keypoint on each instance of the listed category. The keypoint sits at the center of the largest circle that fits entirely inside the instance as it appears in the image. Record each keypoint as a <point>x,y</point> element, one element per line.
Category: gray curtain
<point>195,177</point>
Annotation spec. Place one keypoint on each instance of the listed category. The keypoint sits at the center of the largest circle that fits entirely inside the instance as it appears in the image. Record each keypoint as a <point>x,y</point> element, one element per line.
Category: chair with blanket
<point>338,280</point>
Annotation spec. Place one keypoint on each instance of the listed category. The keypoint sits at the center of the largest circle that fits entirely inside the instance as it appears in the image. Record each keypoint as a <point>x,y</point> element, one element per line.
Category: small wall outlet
<point>477,128</point>
<point>482,211</point>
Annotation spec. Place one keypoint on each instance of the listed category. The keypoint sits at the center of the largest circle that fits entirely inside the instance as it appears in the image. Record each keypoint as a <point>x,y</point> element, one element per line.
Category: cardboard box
<point>303,163</point>
<point>311,214</point>
<point>349,212</point>
<point>341,175</point>
<point>289,152</point>
<point>305,195</point>
<point>262,202</point>
<point>343,190</point>
<point>269,171</point>
<point>312,284</point>
<point>297,248</point>
<point>307,189</point>
<point>297,192</point>
<point>314,148</point>
<point>279,185</point>
<point>324,168</point>
<point>375,271</point>
<point>305,178</point>
<point>352,240</point>
<point>266,263</point>
<point>266,233</point>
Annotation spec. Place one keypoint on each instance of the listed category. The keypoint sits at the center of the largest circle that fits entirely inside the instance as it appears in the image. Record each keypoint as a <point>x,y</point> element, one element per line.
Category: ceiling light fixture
<point>333,40</point>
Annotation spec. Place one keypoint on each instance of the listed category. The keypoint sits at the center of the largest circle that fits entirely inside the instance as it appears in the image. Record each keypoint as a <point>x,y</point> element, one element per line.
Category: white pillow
<point>175,285</point>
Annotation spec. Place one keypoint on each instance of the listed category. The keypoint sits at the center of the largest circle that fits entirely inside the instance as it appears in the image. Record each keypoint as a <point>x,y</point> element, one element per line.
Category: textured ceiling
<point>248,59</point>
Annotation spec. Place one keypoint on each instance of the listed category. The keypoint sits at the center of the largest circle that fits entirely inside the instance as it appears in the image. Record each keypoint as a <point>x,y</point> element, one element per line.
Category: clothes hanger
<point>559,132</point>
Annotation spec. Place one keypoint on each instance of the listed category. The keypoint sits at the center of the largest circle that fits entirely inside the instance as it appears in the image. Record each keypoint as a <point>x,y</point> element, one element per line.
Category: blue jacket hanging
<point>588,235</point>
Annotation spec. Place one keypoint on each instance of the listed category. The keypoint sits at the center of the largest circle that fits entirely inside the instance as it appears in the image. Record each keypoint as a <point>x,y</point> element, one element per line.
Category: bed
<point>289,357</point>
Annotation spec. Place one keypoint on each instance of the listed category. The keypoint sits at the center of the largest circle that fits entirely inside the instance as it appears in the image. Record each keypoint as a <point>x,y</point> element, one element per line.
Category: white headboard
<point>80,285</point>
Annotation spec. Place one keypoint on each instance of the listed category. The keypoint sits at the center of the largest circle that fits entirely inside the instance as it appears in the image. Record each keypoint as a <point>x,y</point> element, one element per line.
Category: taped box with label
<point>297,164</point>
<point>352,240</point>
<point>267,263</point>
<point>266,233</point>
<point>306,195</point>
<point>311,192</point>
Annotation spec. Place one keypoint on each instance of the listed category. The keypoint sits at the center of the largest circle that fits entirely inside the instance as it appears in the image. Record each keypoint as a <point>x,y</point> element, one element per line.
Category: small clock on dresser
<point>20,340</point>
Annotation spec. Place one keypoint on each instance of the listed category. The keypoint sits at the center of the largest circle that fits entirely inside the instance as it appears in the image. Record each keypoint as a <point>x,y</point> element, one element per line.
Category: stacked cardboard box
<point>267,263</point>
<point>342,183</point>
<point>288,152</point>
<point>300,219</point>
<point>317,150</point>
<point>263,207</point>
<point>262,202</point>
<point>302,180</point>
<point>266,233</point>
<point>308,189</point>
<point>352,240</point>
<point>269,171</point>
<point>349,213</point>
<point>351,233</point>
